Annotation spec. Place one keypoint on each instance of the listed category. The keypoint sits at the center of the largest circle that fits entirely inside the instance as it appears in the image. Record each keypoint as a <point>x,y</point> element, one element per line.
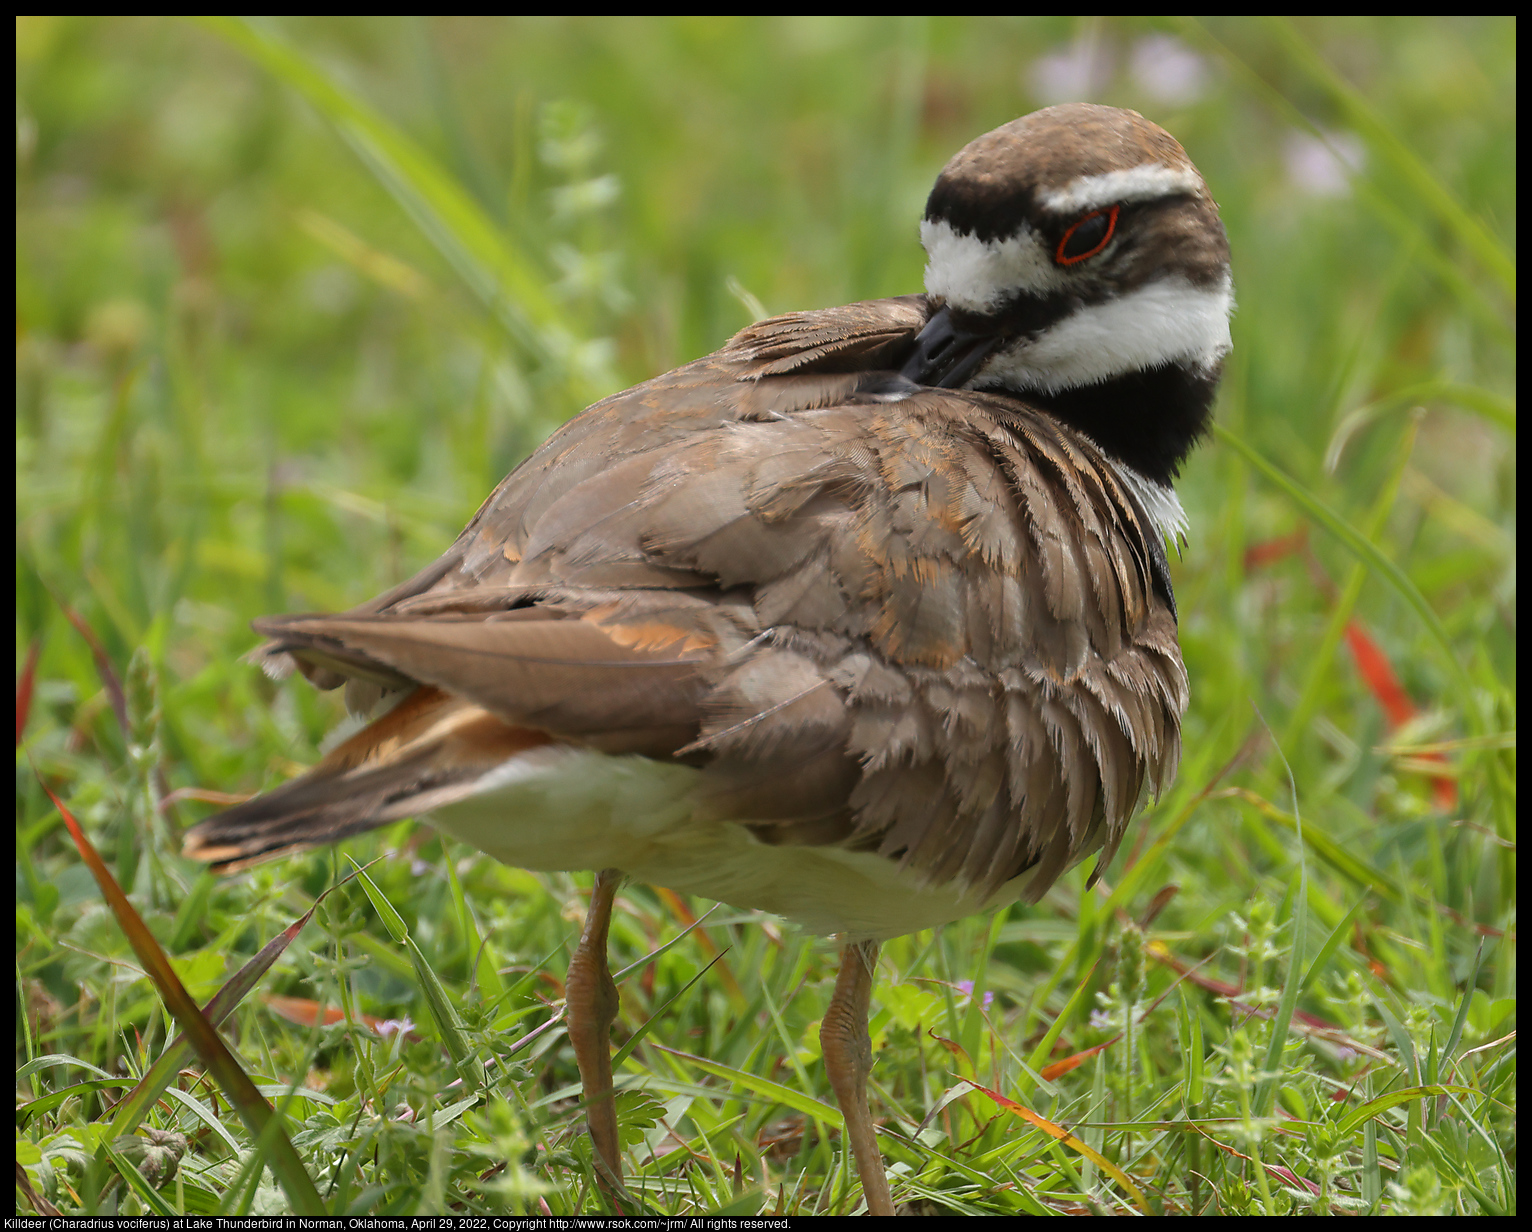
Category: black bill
<point>947,354</point>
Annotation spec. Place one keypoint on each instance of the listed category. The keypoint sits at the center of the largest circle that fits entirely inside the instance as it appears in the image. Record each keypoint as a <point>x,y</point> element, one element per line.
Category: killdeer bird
<point>864,620</point>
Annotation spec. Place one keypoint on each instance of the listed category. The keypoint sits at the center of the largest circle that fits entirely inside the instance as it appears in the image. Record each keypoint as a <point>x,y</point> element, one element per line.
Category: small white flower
<point>1077,73</point>
<point>1323,166</point>
<point>1167,70</point>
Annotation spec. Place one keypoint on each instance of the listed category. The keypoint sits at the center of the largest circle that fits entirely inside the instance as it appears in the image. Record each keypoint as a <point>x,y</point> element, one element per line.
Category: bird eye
<point>1087,237</point>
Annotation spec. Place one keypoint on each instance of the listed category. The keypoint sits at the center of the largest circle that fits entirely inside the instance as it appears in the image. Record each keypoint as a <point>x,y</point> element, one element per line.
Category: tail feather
<point>428,751</point>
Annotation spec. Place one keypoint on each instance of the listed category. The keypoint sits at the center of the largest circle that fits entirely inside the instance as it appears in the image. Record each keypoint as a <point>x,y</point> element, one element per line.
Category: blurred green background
<point>291,298</point>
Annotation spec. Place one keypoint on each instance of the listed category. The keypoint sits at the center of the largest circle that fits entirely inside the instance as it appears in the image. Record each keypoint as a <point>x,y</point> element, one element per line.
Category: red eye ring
<point>1059,256</point>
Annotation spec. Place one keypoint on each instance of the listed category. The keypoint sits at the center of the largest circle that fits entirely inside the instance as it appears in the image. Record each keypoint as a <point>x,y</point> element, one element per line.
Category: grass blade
<point>448,1023</point>
<point>1073,1143</point>
<point>1369,555</point>
<point>789,1097</point>
<point>1469,231</point>
<point>504,279</point>
<point>135,1106</point>
<point>252,1107</point>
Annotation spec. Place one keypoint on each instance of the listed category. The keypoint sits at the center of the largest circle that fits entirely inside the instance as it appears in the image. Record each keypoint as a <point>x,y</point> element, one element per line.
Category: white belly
<point>560,809</point>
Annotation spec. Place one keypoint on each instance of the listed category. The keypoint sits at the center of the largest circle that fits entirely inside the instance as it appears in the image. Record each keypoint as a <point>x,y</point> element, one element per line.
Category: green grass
<point>292,298</point>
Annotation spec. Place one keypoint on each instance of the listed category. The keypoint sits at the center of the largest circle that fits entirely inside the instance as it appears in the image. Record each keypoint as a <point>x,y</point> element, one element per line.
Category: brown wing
<point>864,337</point>
<point>945,641</point>
<point>919,622</point>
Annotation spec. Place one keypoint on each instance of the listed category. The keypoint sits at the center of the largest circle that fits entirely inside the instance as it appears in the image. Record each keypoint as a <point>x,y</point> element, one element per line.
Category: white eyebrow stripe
<point>1141,183</point>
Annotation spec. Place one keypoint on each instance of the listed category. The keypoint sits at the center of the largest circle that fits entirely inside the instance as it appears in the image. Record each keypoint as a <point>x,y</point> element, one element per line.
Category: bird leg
<point>590,1001</point>
<point>848,1057</point>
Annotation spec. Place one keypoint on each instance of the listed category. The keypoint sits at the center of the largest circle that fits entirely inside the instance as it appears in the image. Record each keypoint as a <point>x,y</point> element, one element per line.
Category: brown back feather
<point>924,625</point>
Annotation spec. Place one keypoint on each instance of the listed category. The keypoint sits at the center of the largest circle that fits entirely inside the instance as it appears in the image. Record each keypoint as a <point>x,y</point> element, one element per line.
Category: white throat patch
<point>1160,323</point>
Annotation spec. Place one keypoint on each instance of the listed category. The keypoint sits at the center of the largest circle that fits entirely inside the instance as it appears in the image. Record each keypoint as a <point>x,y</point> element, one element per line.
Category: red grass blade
<point>109,678</point>
<point>1057,1069</point>
<point>306,1012</point>
<point>1069,1140</point>
<point>135,1105</point>
<point>24,687</point>
<point>1384,684</point>
<point>1269,551</point>
<point>258,1115</point>
<point>1378,674</point>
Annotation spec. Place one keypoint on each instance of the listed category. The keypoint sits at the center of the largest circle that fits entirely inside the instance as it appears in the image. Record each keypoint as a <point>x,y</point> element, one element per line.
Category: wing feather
<point>928,623</point>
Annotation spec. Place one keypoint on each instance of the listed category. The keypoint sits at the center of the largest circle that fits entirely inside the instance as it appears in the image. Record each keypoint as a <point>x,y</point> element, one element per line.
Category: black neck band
<point>1149,419</point>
